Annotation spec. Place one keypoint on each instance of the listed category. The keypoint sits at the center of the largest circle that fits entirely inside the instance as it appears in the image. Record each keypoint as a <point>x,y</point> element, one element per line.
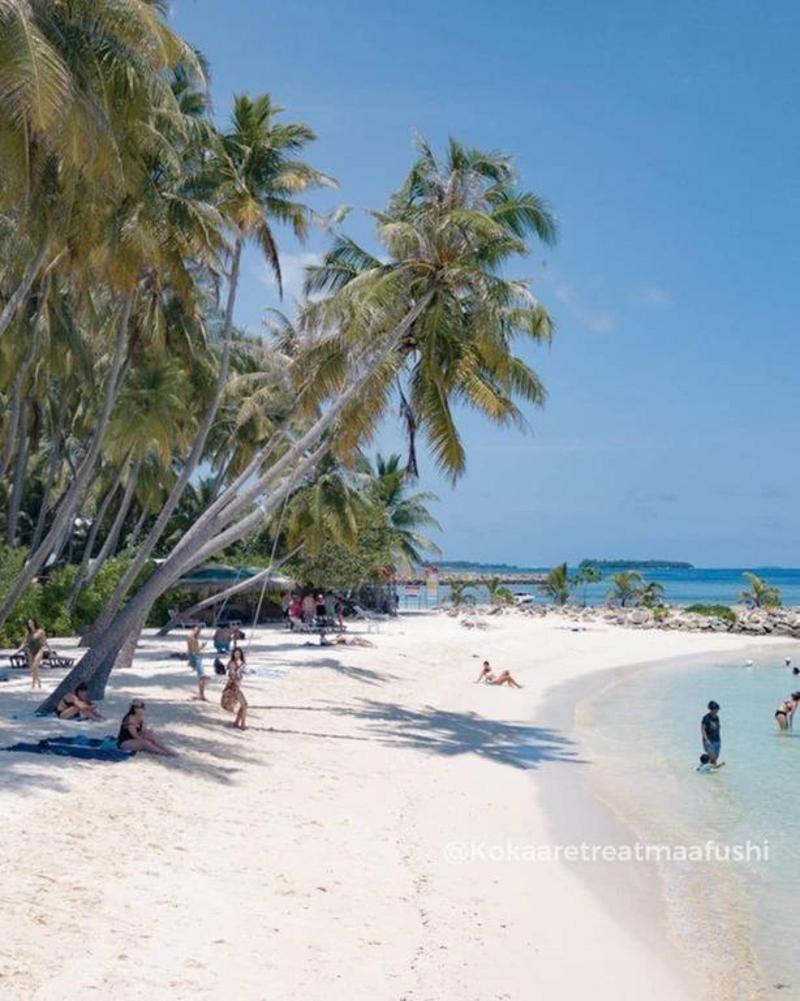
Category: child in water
<point>707,765</point>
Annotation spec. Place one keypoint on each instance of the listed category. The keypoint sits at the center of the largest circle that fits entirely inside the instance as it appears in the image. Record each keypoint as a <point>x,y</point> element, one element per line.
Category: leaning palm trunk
<point>17,405</point>
<point>20,469</point>
<point>41,519</point>
<point>88,548</point>
<point>70,502</point>
<point>145,550</point>
<point>236,512</point>
<point>96,664</point>
<point>229,592</point>
<point>133,538</point>
<point>109,546</point>
<point>21,292</point>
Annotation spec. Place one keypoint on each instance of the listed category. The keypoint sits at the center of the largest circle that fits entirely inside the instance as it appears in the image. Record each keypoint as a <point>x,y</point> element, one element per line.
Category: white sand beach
<point>308,857</point>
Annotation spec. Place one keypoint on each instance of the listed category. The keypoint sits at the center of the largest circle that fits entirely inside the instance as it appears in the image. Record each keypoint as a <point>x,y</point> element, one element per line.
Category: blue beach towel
<point>87,748</point>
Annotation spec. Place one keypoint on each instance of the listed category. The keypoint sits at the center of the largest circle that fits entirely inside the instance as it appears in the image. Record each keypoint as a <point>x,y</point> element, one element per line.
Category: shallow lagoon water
<point>742,916</point>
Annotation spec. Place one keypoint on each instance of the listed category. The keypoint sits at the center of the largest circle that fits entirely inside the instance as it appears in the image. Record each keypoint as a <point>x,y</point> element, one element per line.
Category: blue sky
<point>665,138</point>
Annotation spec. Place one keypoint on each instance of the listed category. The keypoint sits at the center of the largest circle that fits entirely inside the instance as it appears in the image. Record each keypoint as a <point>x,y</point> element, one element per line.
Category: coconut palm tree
<point>585,576</point>
<point>254,178</point>
<point>440,312</point>
<point>652,595</point>
<point>760,594</point>
<point>499,594</point>
<point>81,84</point>
<point>329,509</point>
<point>458,593</point>
<point>627,587</point>
<point>407,513</point>
<point>557,585</point>
<point>444,238</point>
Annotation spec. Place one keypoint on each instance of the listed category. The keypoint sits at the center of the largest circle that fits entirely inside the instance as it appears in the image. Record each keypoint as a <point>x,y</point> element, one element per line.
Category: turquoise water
<point>644,731</point>
<point>682,587</point>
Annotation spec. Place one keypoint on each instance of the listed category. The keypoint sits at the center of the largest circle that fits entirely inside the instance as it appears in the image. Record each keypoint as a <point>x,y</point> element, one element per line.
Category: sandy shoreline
<point>308,857</point>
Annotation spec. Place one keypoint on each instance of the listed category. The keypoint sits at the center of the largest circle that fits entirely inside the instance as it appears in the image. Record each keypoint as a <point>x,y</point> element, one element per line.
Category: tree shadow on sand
<point>363,674</point>
<point>437,731</point>
<point>189,726</point>
<point>441,732</point>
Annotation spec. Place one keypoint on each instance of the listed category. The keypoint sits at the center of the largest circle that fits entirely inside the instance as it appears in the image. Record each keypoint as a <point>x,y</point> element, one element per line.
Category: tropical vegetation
<point>724,612</point>
<point>499,594</point>
<point>137,421</point>
<point>626,588</point>
<point>460,593</point>
<point>760,594</point>
<point>558,584</point>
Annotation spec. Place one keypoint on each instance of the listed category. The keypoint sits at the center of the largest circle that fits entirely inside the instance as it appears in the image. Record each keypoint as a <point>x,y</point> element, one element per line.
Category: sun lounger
<point>373,619</point>
<point>56,660</point>
<point>20,661</point>
<point>87,748</point>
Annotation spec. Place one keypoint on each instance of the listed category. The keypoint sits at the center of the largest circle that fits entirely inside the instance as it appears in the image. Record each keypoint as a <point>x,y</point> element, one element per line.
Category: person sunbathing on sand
<point>134,735</point>
<point>78,705</point>
<point>352,641</point>
<point>488,677</point>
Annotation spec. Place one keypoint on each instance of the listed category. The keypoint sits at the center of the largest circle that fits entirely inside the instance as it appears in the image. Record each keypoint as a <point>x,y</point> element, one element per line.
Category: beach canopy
<point>215,575</point>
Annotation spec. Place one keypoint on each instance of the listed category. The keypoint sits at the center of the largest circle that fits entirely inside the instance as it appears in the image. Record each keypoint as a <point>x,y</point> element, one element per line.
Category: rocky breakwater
<point>754,622</point>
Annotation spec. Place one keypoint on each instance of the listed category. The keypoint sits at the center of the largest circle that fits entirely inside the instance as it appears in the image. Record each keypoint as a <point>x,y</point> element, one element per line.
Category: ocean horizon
<point>682,586</point>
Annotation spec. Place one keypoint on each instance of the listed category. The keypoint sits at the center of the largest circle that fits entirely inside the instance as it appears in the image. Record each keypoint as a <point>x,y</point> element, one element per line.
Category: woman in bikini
<point>233,699</point>
<point>34,646</point>
<point>784,714</point>
<point>78,705</point>
<point>134,735</point>
<point>488,677</point>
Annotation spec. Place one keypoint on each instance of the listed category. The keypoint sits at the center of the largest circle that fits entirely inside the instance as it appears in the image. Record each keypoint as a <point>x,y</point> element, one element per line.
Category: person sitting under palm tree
<point>77,705</point>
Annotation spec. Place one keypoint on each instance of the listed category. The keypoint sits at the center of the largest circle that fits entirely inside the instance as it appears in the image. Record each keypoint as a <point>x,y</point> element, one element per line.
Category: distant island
<point>636,565</point>
<point>471,565</point>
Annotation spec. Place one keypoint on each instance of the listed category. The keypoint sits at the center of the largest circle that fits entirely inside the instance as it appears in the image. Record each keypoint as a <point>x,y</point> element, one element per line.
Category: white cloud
<point>599,321</point>
<point>652,295</point>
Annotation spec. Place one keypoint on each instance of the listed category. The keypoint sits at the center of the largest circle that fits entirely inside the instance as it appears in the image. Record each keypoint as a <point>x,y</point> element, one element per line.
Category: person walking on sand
<point>710,732</point>
<point>195,647</point>
<point>784,714</point>
<point>34,646</point>
<point>233,699</point>
<point>134,735</point>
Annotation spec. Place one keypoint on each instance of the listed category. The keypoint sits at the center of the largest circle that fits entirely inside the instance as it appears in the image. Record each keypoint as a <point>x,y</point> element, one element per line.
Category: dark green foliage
<point>714,611</point>
<point>47,600</point>
<point>345,568</point>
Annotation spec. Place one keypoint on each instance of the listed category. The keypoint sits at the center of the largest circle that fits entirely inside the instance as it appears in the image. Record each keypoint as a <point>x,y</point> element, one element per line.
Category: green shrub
<point>714,611</point>
<point>11,563</point>
<point>47,602</point>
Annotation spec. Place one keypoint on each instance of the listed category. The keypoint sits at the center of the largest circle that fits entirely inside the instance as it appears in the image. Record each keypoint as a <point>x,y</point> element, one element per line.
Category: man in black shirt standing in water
<point>710,732</point>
